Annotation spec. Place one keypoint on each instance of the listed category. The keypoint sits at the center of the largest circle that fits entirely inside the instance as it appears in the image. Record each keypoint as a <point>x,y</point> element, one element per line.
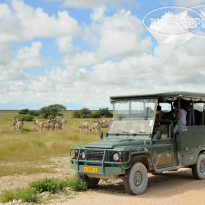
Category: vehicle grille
<point>94,155</point>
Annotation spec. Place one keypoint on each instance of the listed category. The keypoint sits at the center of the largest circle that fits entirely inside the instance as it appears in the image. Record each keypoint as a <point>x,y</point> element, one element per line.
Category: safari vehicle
<point>139,142</point>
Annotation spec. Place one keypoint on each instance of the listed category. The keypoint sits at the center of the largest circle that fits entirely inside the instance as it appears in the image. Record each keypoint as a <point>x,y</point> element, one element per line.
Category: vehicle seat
<point>164,131</point>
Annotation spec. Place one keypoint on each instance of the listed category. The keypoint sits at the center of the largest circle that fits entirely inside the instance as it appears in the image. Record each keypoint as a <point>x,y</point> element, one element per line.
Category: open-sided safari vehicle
<point>142,139</point>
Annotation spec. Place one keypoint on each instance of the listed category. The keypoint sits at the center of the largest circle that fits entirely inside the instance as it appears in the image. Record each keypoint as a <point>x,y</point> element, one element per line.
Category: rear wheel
<point>91,182</point>
<point>198,170</point>
<point>136,179</point>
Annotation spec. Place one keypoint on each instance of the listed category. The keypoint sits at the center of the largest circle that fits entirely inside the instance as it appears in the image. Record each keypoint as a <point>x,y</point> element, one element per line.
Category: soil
<point>170,188</point>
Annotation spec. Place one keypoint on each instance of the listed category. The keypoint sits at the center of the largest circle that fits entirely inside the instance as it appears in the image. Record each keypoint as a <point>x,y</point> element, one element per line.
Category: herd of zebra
<point>40,124</point>
<point>57,124</point>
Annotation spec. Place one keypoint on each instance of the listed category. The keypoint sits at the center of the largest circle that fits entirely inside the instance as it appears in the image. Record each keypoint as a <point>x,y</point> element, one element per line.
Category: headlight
<point>116,157</point>
<point>83,154</point>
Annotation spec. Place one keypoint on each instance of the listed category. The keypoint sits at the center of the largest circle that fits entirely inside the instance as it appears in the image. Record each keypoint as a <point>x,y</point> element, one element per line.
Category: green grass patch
<point>51,185</point>
<point>25,194</point>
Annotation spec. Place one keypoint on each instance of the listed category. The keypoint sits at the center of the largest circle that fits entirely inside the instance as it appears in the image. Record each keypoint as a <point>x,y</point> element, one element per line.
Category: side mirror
<point>158,135</point>
<point>101,134</point>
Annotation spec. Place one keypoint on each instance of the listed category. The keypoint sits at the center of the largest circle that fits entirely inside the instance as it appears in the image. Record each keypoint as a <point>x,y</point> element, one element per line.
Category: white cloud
<point>8,74</point>
<point>21,22</point>
<point>121,36</point>
<point>65,44</point>
<point>98,13</point>
<point>28,57</point>
<point>94,3</point>
<point>82,59</point>
<point>189,3</point>
<point>119,57</point>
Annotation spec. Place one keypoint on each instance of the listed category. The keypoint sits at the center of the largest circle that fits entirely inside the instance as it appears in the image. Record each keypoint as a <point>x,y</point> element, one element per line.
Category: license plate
<point>90,169</point>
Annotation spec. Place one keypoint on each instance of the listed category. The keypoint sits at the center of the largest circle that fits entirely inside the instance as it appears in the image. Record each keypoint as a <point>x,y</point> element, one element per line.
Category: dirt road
<point>170,188</point>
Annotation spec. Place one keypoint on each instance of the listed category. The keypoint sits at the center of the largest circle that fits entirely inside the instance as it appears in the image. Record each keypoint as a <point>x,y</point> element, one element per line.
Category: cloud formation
<point>114,55</point>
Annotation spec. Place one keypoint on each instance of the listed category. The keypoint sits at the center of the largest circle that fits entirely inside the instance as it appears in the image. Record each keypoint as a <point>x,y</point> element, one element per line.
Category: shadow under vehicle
<point>141,140</point>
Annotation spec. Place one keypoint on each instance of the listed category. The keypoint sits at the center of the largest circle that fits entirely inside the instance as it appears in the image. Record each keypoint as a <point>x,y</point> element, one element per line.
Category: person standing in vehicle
<point>182,113</point>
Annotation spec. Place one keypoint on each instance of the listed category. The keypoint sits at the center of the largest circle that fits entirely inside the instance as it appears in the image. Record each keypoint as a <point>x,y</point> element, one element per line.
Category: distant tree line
<point>49,112</point>
<point>52,111</point>
<point>86,113</point>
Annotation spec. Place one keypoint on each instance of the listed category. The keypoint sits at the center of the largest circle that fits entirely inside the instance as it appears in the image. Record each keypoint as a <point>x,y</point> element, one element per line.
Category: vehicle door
<point>164,149</point>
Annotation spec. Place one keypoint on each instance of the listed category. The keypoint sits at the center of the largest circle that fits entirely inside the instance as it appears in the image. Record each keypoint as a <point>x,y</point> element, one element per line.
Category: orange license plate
<point>91,169</point>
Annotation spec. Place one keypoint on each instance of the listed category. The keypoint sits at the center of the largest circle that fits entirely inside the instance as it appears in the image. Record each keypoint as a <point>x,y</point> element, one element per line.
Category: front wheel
<point>198,170</point>
<point>136,179</point>
<point>91,182</point>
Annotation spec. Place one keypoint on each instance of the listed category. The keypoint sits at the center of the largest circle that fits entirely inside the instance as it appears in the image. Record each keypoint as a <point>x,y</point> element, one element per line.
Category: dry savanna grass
<point>31,146</point>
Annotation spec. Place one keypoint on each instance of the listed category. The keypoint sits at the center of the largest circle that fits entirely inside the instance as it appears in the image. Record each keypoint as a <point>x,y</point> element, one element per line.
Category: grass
<point>51,185</point>
<point>6,170</point>
<point>25,194</point>
<point>22,152</point>
<point>31,146</point>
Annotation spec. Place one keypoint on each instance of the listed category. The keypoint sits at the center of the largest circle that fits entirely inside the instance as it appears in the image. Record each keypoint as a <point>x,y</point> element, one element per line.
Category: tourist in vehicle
<point>181,115</point>
<point>158,116</point>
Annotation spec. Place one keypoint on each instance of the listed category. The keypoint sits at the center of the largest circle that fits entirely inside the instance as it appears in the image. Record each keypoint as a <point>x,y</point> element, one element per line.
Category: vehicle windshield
<point>142,109</point>
<point>131,127</point>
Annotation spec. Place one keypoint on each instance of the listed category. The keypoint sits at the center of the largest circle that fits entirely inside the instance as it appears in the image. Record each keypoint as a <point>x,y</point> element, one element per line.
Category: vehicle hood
<point>112,143</point>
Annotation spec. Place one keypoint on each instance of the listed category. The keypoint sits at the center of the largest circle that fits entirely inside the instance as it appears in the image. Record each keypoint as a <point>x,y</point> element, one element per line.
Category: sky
<point>79,53</point>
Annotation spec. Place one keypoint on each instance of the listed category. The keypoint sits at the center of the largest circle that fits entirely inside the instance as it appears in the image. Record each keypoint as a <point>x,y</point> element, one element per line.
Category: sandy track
<point>177,188</point>
<point>173,188</point>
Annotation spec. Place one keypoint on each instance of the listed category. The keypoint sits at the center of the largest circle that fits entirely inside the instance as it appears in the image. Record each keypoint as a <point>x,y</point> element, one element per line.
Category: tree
<point>85,113</point>
<point>102,112</point>
<point>52,111</point>
<point>76,114</point>
<point>25,117</point>
<point>24,111</point>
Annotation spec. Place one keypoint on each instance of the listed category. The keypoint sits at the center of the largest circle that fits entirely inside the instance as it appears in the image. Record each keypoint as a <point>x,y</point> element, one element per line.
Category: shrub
<point>77,186</point>
<point>26,117</point>
<point>85,113</point>
<point>25,194</point>
<point>104,112</point>
<point>33,112</point>
<point>51,185</point>
<point>96,114</point>
<point>76,114</point>
<point>24,111</point>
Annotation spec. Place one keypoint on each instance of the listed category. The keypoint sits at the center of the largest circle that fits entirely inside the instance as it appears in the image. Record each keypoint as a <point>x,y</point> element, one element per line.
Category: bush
<point>25,194</point>
<point>78,186</point>
<point>26,117</point>
<point>33,112</point>
<point>76,114</point>
<point>85,113</point>
<point>51,185</point>
<point>24,111</point>
<point>96,114</point>
<point>104,112</point>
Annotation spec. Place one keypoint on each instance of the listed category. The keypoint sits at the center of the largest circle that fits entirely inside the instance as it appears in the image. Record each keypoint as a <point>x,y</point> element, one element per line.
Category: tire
<point>198,170</point>
<point>91,182</point>
<point>136,179</point>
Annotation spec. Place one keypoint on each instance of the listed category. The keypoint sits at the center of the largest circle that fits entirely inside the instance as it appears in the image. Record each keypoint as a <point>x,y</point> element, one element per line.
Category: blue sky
<point>78,53</point>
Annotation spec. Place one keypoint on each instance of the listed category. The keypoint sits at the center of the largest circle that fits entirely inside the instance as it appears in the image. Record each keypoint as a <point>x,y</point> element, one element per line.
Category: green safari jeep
<point>150,133</point>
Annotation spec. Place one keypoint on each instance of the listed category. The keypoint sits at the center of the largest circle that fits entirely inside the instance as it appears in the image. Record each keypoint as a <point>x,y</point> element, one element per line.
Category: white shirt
<point>182,117</point>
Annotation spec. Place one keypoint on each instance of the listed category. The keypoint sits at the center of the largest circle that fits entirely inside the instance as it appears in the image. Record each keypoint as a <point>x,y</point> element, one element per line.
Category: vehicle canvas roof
<point>164,96</point>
